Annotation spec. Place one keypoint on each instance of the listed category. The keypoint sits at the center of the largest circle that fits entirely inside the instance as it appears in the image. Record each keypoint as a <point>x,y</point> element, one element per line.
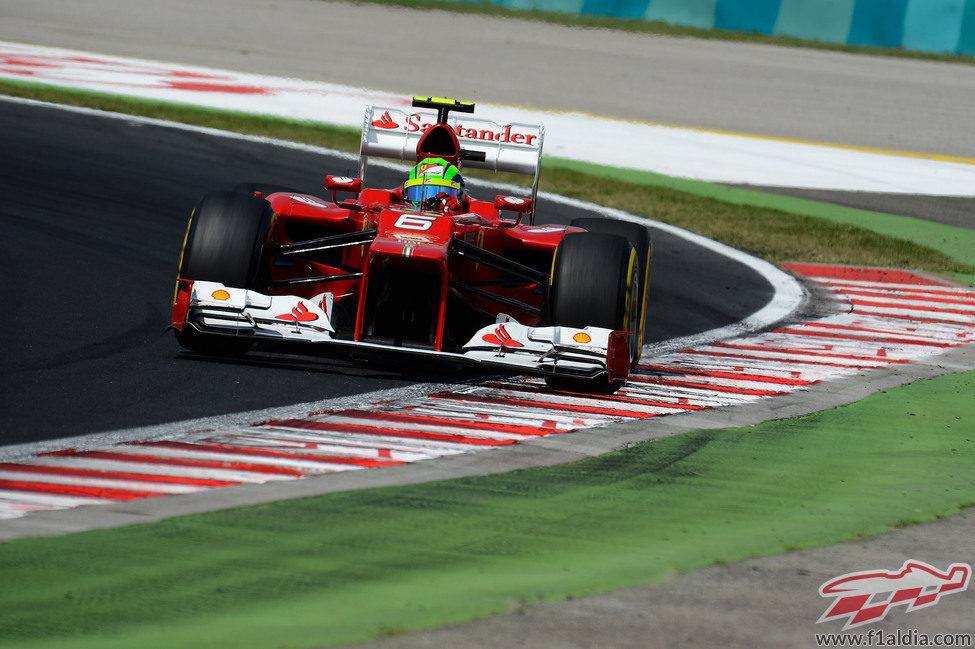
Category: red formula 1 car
<point>439,274</point>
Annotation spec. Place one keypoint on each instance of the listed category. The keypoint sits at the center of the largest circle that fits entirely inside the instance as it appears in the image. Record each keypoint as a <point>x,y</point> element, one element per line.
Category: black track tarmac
<point>93,215</point>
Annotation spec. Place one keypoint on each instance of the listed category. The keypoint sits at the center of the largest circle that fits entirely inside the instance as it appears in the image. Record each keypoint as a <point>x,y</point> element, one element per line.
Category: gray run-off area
<point>869,101</point>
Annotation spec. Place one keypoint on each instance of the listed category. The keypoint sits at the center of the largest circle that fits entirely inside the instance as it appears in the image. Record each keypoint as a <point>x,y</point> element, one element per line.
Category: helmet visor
<point>423,192</point>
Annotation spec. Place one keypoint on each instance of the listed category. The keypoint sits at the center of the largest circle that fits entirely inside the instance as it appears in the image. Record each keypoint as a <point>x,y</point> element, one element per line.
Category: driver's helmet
<point>432,183</point>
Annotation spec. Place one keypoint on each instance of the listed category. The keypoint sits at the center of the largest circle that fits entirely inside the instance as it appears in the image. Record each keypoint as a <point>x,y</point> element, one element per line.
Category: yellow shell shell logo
<point>582,338</point>
<point>220,294</point>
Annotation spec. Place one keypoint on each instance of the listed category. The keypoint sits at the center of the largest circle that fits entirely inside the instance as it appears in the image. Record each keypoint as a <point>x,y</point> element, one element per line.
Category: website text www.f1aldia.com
<point>899,638</point>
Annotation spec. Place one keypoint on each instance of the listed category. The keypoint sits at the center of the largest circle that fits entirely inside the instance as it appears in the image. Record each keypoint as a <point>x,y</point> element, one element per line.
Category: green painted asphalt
<point>360,565</point>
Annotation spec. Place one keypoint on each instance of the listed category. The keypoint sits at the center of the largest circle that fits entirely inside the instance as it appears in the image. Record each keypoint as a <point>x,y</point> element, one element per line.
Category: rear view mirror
<point>513,204</point>
<point>337,184</point>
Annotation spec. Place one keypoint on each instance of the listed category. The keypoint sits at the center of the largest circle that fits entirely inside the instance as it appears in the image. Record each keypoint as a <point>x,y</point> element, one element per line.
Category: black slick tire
<point>639,238</point>
<point>224,242</point>
<point>595,282</point>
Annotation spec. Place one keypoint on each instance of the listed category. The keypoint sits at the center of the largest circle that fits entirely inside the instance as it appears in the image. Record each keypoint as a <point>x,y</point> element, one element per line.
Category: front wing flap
<point>590,352</point>
<point>217,309</point>
<point>552,351</point>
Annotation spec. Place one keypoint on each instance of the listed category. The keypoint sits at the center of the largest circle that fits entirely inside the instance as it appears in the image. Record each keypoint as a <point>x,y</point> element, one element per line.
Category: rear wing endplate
<point>394,133</point>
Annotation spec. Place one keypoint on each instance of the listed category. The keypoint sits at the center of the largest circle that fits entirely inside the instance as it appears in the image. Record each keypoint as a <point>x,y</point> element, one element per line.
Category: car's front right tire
<point>596,281</point>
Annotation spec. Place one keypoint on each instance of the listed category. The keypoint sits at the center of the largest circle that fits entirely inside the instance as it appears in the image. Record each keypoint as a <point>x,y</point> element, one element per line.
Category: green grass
<point>774,227</point>
<point>360,565</point>
<point>656,27</point>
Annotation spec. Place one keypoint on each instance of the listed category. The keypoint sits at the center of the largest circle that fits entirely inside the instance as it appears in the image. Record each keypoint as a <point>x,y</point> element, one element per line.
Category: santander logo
<point>415,124</point>
<point>501,337</point>
<point>299,313</point>
<point>385,122</point>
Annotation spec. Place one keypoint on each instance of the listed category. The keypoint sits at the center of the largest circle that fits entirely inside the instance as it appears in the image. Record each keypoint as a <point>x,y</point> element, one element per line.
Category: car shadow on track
<point>402,369</point>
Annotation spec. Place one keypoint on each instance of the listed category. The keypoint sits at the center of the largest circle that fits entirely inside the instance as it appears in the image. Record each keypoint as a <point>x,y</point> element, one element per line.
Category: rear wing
<point>394,133</point>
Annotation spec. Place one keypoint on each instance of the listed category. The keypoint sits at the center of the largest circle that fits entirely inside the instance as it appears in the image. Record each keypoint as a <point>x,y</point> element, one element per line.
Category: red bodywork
<point>400,277</point>
<point>472,283</point>
<point>419,255</point>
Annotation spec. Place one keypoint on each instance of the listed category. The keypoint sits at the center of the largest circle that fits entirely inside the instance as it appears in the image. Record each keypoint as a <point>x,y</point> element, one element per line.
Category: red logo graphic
<point>429,170</point>
<point>916,584</point>
<point>501,338</point>
<point>298,314</point>
<point>385,121</point>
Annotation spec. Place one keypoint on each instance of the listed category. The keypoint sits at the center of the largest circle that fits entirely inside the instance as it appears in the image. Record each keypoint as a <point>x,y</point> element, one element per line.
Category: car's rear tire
<point>595,282</point>
<point>224,242</point>
<point>639,238</point>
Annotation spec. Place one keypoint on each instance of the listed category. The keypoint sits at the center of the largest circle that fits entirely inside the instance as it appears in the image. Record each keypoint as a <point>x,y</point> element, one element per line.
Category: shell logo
<point>583,338</point>
<point>220,294</point>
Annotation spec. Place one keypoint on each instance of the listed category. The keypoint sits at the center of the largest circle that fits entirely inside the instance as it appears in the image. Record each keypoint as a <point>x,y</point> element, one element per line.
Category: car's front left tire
<point>224,243</point>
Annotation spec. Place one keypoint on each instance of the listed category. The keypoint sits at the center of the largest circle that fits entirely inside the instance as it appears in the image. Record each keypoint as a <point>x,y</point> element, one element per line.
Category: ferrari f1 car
<point>377,272</point>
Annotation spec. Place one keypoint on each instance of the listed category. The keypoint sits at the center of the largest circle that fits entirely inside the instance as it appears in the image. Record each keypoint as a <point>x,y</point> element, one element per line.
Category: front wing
<point>215,309</point>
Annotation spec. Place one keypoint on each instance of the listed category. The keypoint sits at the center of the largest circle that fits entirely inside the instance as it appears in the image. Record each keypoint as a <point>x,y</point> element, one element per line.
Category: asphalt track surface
<point>94,216</point>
